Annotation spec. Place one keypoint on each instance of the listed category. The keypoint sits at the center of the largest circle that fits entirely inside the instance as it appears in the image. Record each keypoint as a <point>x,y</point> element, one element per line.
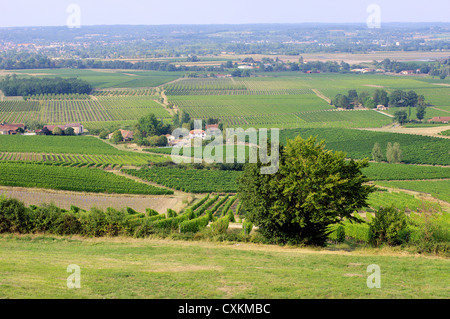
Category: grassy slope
<point>35,267</point>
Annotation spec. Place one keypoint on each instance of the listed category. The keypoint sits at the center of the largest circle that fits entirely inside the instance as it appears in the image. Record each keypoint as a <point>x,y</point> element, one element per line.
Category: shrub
<point>151,212</point>
<point>194,225</point>
<point>220,226</point>
<point>93,222</point>
<point>13,215</point>
<point>231,216</point>
<point>68,224</point>
<point>388,226</point>
<point>337,233</point>
<point>171,223</point>
<point>247,227</point>
<point>171,213</point>
<point>45,219</point>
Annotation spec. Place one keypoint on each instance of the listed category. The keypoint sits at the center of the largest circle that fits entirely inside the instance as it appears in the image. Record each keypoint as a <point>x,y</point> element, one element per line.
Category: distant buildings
<point>381,107</point>
<point>126,135</point>
<point>77,127</point>
<point>441,119</point>
<point>11,129</point>
<point>197,133</point>
<point>364,70</point>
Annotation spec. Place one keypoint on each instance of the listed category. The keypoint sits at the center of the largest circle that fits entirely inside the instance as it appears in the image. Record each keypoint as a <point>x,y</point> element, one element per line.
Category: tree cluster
<point>13,86</point>
<point>397,98</point>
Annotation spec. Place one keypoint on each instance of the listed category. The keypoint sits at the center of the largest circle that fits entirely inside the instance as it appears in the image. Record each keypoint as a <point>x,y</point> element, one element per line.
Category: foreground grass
<point>35,267</point>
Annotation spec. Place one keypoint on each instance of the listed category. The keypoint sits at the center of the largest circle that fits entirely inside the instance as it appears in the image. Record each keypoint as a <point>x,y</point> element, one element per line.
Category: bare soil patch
<point>65,199</point>
<point>426,131</point>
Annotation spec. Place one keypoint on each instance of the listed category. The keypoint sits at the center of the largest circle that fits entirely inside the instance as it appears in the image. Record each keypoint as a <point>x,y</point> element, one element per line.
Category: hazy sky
<point>95,12</point>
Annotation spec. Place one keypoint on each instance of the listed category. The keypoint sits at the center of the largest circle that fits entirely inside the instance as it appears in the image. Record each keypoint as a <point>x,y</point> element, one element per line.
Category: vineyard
<point>439,188</point>
<point>189,180</point>
<point>57,144</point>
<point>101,109</point>
<point>402,201</point>
<point>80,160</point>
<point>72,179</point>
<point>416,149</point>
<point>385,171</point>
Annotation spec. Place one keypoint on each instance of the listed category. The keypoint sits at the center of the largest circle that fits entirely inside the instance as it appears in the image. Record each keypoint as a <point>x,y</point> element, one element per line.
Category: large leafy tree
<point>312,189</point>
<point>149,125</point>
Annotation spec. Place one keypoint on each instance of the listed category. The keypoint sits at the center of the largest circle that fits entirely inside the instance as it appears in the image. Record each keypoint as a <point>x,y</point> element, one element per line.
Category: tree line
<point>397,98</point>
<point>13,86</point>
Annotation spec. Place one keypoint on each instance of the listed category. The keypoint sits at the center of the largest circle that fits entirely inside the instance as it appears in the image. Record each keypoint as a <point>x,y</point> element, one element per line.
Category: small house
<point>441,119</point>
<point>77,127</point>
<point>197,133</point>
<point>126,135</point>
<point>11,129</point>
<point>381,107</point>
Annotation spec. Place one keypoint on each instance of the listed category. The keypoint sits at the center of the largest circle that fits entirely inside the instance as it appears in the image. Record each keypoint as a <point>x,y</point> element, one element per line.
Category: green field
<point>109,78</point>
<point>416,149</point>
<point>401,200</point>
<point>36,267</point>
<point>57,144</point>
<point>72,179</point>
<point>290,100</point>
<point>439,189</point>
<point>189,180</point>
<point>100,110</point>
<point>385,171</point>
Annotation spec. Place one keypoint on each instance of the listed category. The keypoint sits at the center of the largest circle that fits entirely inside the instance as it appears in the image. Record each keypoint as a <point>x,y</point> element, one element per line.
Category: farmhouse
<point>77,127</point>
<point>381,107</point>
<point>170,139</point>
<point>212,127</point>
<point>223,75</point>
<point>406,72</point>
<point>442,119</point>
<point>197,133</point>
<point>11,129</point>
<point>127,135</point>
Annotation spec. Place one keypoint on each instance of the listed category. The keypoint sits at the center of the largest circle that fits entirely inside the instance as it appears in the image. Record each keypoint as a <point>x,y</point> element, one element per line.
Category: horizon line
<point>229,24</point>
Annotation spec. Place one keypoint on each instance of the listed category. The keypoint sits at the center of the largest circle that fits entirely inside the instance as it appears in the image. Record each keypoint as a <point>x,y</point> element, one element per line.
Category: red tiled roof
<point>11,127</point>
<point>440,119</point>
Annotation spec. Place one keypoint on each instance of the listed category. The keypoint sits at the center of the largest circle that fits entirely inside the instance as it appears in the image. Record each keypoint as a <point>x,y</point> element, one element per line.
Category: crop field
<point>289,101</point>
<point>439,188</point>
<point>72,179</point>
<point>100,78</point>
<point>189,180</point>
<point>102,109</point>
<point>416,149</point>
<point>385,171</point>
<point>401,200</point>
<point>79,160</point>
<point>56,144</point>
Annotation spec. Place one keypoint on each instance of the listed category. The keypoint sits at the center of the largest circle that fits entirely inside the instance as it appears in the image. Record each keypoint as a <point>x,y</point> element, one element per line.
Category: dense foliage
<point>12,86</point>
<point>312,189</point>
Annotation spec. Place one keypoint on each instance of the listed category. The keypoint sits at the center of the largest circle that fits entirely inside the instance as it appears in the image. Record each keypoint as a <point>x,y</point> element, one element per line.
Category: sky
<point>152,12</point>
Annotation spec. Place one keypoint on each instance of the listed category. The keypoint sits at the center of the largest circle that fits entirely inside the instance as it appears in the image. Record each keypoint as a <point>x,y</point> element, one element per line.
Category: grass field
<point>438,189</point>
<point>36,267</point>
